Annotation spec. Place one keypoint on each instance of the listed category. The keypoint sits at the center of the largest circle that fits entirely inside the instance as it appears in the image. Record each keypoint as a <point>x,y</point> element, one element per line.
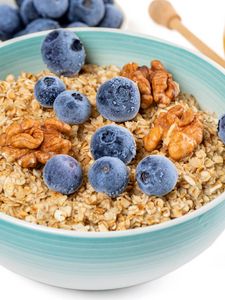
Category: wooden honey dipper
<point>163,13</point>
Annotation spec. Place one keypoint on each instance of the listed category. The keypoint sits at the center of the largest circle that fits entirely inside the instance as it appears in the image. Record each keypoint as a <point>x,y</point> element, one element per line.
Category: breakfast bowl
<point>115,259</point>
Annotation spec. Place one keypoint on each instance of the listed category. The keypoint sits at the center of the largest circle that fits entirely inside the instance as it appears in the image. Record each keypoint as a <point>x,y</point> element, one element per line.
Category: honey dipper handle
<point>194,40</point>
<point>163,13</point>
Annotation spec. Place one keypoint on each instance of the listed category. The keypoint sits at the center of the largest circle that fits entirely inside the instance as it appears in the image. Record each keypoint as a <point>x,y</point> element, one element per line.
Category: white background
<point>204,277</point>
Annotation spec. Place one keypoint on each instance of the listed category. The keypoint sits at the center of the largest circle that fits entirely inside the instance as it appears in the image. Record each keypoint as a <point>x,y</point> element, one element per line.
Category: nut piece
<point>155,83</point>
<point>31,142</point>
<point>164,88</point>
<point>180,130</point>
<point>53,141</point>
<point>23,135</point>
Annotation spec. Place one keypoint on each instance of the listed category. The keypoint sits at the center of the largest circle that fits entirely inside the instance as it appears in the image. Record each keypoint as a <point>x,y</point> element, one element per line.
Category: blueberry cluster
<point>47,89</point>
<point>64,54</point>
<point>71,107</point>
<point>112,147</point>
<point>38,15</point>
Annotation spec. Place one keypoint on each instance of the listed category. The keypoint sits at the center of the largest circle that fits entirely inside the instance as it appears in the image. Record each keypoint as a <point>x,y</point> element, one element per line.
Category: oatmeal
<point>24,195</point>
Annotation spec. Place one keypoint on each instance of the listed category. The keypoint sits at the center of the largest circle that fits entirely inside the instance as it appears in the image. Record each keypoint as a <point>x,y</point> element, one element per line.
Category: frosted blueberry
<point>88,11</point>
<point>113,141</point>
<point>109,175</point>
<point>156,175</point>
<point>51,8</point>
<point>10,21</point>
<point>28,11</point>
<point>47,89</point>
<point>63,52</point>
<point>118,99</point>
<point>113,17</point>
<point>63,174</point>
<point>72,107</point>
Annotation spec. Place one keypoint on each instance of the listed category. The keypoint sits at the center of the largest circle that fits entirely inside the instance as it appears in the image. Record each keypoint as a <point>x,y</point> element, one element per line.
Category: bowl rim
<point>129,232</point>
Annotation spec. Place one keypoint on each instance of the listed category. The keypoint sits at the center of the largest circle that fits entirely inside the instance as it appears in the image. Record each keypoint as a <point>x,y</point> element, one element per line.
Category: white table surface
<point>204,277</point>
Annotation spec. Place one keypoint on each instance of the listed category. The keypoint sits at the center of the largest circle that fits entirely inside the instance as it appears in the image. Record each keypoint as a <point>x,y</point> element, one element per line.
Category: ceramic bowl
<point>98,261</point>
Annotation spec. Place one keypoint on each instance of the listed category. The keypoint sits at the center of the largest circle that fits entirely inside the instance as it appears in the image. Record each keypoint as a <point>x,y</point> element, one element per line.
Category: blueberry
<point>88,11</point>
<point>63,174</point>
<point>221,128</point>
<point>40,25</point>
<point>77,24</point>
<point>156,175</point>
<point>51,8</point>
<point>63,52</point>
<point>47,89</point>
<point>10,21</point>
<point>72,107</point>
<point>118,99</point>
<point>113,17</point>
<point>28,11</point>
<point>109,175</point>
<point>113,141</point>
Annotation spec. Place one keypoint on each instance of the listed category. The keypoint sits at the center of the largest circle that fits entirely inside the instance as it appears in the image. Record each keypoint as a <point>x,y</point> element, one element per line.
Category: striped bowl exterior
<point>96,261</point>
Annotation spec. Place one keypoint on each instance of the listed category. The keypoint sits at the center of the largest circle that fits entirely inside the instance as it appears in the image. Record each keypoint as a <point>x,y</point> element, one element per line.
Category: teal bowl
<point>99,261</point>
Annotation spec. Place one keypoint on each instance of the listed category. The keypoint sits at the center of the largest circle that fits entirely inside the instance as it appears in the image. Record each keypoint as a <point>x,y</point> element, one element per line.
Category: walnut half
<point>155,83</point>
<point>31,142</point>
<point>180,130</point>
